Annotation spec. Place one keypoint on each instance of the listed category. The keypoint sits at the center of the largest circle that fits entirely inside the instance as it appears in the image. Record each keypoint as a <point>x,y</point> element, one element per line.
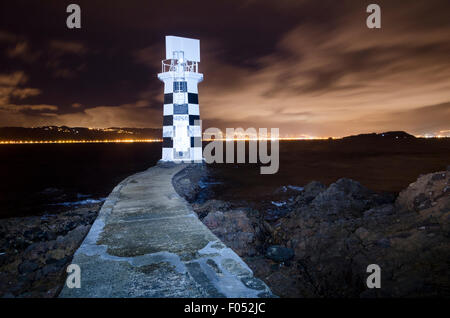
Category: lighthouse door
<point>181,139</point>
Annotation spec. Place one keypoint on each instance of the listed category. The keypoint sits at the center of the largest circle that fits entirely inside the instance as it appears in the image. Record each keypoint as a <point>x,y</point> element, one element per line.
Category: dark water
<point>36,179</point>
<point>381,165</point>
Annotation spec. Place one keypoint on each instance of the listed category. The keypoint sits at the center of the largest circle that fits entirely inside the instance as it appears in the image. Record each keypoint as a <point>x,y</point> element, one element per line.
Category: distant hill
<point>381,136</point>
<point>52,133</point>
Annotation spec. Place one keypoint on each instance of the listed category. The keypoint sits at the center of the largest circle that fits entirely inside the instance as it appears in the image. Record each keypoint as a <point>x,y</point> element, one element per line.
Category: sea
<point>46,178</point>
<point>38,179</point>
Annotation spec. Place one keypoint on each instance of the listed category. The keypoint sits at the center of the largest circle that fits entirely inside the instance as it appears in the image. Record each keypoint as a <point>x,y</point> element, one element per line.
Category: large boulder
<point>235,229</point>
<point>73,238</point>
<point>345,197</point>
<point>431,190</point>
<point>429,197</point>
<point>310,191</point>
<point>187,182</point>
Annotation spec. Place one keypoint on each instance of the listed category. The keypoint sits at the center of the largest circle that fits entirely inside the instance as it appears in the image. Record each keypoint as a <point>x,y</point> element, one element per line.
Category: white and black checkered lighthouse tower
<point>182,137</point>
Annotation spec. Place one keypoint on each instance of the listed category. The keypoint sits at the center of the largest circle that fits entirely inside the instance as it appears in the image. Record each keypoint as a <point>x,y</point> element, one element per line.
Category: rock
<point>427,192</point>
<point>57,254</point>
<point>323,245</point>
<point>32,234</point>
<point>214,219</point>
<point>34,251</point>
<point>331,237</point>
<point>187,181</point>
<point>384,242</point>
<point>344,197</point>
<point>58,262</point>
<point>310,191</point>
<point>253,283</point>
<point>49,269</point>
<point>210,206</point>
<point>383,198</point>
<point>20,243</point>
<point>234,228</point>
<point>267,227</point>
<point>74,238</point>
<point>34,258</point>
<point>279,253</point>
<point>438,176</point>
<point>50,236</point>
<point>362,233</point>
<point>380,211</point>
<point>28,267</point>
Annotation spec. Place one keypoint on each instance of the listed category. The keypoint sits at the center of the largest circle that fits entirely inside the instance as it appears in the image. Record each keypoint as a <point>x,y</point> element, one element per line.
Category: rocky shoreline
<point>319,243</point>
<point>314,241</point>
<point>35,250</point>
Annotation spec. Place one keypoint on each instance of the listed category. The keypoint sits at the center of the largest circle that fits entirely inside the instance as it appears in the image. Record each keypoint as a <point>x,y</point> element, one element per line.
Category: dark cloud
<point>307,67</point>
<point>68,47</point>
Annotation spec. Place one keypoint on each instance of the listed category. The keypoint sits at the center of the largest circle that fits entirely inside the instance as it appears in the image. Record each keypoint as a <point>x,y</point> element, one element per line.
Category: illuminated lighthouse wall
<point>181,123</point>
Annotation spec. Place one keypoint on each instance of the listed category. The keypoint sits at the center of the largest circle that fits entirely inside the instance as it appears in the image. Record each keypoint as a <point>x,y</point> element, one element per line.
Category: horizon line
<point>27,142</point>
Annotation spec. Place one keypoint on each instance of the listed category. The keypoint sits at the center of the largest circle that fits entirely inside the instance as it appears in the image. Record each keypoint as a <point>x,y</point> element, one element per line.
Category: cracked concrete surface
<point>147,242</point>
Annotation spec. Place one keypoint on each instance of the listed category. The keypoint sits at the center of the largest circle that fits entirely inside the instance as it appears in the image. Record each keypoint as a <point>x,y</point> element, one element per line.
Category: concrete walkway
<point>147,242</point>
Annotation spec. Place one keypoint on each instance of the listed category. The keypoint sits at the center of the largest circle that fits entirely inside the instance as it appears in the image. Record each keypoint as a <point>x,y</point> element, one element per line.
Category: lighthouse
<point>182,137</point>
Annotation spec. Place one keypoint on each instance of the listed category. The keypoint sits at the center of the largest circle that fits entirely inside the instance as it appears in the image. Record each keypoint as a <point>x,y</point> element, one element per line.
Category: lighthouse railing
<point>171,64</point>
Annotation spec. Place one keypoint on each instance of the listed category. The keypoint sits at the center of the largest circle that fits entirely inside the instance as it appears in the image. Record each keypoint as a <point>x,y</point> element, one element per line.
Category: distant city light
<point>77,141</point>
<point>237,138</point>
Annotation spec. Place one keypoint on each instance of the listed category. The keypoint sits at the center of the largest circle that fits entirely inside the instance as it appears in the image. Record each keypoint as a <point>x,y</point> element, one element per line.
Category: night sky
<point>307,67</point>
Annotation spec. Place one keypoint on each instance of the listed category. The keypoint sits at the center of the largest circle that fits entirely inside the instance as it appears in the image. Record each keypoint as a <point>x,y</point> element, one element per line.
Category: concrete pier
<point>147,242</point>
